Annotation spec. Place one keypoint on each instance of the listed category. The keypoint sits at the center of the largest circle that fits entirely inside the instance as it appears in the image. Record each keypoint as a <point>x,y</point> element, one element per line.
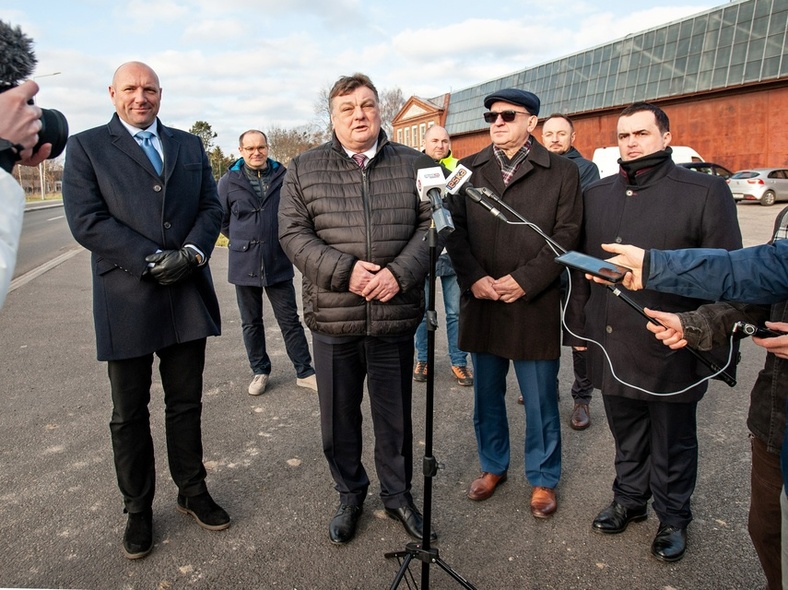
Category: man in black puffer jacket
<point>351,220</point>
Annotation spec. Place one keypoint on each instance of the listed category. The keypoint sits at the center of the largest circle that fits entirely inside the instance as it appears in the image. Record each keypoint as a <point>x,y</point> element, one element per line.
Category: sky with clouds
<point>239,64</point>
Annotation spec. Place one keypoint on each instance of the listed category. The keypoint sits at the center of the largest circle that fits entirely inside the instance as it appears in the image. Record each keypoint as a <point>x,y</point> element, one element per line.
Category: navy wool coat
<point>121,210</point>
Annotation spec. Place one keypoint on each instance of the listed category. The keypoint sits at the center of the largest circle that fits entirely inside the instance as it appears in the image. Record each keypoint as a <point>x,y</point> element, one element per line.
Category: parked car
<point>606,158</point>
<point>708,168</point>
<point>766,185</point>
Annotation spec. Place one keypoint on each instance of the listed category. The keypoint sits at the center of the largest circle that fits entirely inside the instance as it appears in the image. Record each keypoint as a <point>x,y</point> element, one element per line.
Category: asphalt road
<point>61,517</point>
<point>45,235</point>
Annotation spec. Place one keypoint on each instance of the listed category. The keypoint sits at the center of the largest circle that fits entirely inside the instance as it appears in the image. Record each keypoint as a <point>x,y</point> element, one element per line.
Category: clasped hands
<point>370,282</point>
<point>505,289</point>
<point>170,266</point>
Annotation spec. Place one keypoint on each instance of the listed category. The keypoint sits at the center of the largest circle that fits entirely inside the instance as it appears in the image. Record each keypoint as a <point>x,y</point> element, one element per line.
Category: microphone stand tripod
<point>423,551</point>
<point>712,365</point>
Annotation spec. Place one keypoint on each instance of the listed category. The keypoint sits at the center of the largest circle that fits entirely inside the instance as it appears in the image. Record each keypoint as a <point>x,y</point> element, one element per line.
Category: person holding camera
<point>141,197</point>
<point>20,122</point>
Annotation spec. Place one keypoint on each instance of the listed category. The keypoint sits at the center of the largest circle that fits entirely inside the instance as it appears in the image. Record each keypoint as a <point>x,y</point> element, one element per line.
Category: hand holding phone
<point>597,267</point>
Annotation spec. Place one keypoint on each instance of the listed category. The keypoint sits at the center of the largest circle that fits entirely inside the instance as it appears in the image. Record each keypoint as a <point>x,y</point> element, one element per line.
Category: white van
<point>606,158</point>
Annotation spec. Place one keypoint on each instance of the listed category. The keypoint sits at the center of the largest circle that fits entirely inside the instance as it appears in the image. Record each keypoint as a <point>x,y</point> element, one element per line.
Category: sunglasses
<point>507,116</point>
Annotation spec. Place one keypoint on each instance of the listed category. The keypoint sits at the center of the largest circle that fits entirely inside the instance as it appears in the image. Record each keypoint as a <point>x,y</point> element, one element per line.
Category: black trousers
<point>656,455</point>
<point>283,302</point>
<point>181,367</point>
<point>341,365</point>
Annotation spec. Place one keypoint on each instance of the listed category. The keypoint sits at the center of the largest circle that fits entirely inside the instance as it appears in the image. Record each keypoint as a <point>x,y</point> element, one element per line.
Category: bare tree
<point>391,101</point>
<point>288,143</point>
<point>322,111</point>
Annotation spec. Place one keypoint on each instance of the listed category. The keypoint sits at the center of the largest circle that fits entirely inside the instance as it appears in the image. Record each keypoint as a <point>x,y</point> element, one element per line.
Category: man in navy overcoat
<point>140,196</point>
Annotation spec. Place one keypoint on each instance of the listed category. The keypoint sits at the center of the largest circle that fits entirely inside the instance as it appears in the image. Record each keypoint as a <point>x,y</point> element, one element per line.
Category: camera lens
<point>54,130</point>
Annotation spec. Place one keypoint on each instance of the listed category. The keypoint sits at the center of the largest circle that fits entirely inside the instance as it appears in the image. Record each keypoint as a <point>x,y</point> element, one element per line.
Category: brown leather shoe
<point>543,502</point>
<point>483,486</point>
<point>581,418</point>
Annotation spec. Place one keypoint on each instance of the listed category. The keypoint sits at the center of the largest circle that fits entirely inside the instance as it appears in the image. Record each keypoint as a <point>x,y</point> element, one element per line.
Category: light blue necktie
<point>150,151</point>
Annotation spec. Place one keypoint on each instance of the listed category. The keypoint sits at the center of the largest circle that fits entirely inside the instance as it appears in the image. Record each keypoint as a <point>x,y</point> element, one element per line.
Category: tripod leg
<point>457,577</point>
<point>403,568</point>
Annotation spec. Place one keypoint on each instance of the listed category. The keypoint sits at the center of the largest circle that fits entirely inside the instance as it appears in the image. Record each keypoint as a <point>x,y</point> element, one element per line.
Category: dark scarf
<point>637,171</point>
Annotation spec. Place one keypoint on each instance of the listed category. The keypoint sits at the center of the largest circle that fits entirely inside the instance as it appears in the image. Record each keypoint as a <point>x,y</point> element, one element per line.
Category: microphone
<point>429,179</point>
<point>431,187</point>
<point>17,60</point>
<point>458,183</point>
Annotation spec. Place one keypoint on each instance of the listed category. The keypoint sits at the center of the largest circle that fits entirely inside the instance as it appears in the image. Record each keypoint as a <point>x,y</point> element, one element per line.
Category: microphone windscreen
<point>17,59</point>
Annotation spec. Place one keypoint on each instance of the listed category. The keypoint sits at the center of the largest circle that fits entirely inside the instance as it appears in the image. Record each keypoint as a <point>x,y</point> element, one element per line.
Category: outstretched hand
<point>630,257</point>
<point>671,332</point>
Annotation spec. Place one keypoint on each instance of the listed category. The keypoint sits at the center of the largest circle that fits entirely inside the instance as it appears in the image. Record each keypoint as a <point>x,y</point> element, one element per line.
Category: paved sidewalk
<point>61,517</point>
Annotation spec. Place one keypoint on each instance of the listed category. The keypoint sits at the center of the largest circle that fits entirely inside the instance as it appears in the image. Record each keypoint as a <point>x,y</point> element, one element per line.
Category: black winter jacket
<point>334,213</point>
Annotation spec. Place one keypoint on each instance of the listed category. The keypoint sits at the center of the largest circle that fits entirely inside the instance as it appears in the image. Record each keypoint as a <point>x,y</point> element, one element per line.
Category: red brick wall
<point>744,129</point>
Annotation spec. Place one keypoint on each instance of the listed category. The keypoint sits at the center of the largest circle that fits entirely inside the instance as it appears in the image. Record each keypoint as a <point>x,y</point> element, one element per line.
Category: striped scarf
<point>509,167</point>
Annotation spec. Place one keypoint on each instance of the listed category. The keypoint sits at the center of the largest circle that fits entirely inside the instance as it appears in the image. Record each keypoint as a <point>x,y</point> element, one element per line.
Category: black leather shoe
<point>411,519</point>
<point>342,527</point>
<point>208,514</point>
<point>670,543</point>
<point>138,538</point>
<point>615,518</point>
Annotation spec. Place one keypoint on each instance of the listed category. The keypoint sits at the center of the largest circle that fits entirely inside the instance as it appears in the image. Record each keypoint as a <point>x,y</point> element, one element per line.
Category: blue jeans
<point>542,423</point>
<point>451,304</point>
<point>283,302</point>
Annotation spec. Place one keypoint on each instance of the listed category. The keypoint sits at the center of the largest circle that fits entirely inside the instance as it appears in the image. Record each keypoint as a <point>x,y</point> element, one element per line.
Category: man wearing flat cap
<point>509,311</point>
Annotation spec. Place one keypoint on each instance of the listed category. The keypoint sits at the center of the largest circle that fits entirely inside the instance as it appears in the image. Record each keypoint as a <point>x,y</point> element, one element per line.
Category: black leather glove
<point>170,266</point>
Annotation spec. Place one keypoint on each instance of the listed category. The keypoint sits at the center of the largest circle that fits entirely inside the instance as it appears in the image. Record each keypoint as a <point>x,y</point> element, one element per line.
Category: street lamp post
<point>41,168</point>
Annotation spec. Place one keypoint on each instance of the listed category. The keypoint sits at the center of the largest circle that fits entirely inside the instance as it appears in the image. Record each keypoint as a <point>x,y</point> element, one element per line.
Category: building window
<point>407,136</point>
<point>414,137</point>
<point>422,131</point>
<point>399,135</point>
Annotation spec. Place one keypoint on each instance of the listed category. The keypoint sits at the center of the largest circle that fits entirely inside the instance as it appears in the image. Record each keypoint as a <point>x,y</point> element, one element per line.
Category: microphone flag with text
<point>458,183</point>
<point>431,186</point>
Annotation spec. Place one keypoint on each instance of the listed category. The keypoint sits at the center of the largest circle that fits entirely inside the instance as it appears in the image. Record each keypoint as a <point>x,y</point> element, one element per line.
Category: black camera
<point>54,130</point>
<point>17,62</point>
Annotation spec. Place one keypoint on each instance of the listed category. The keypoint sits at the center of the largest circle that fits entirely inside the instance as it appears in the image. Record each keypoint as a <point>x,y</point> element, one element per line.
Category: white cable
<point>610,362</point>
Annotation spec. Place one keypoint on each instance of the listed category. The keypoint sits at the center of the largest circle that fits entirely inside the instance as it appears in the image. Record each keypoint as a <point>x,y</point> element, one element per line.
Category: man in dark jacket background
<point>558,136</point>
<point>509,311</point>
<point>249,193</point>
<point>651,203</point>
<point>352,222</point>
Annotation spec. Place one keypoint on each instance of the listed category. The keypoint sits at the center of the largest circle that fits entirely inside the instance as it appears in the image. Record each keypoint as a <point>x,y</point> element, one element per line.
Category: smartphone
<point>757,331</point>
<point>593,266</point>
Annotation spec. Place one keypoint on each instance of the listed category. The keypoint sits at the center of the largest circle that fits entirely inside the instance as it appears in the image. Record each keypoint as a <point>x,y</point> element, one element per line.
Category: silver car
<point>766,185</point>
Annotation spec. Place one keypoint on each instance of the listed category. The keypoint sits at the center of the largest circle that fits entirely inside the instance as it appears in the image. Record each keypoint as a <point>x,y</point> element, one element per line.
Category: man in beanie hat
<point>511,301</point>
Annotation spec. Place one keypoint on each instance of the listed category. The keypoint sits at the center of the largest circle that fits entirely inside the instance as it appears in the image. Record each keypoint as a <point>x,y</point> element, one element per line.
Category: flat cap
<point>516,96</point>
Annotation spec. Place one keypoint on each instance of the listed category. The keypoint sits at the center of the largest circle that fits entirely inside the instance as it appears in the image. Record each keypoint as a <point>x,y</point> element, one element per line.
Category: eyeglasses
<point>257,148</point>
<point>507,116</point>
